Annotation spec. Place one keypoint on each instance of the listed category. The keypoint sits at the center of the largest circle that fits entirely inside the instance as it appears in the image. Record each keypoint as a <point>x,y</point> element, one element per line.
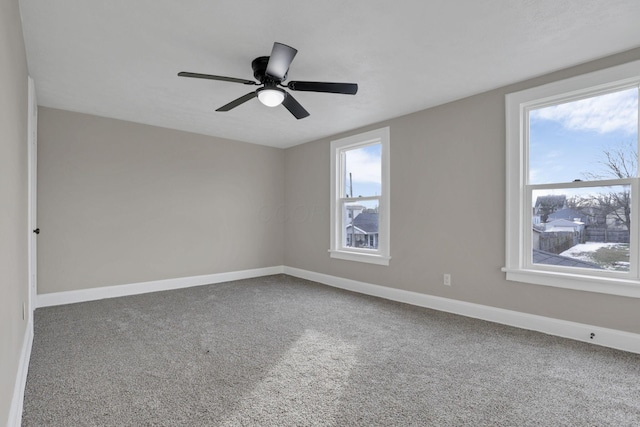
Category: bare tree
<point>545,209</point>
<point>618,163</point>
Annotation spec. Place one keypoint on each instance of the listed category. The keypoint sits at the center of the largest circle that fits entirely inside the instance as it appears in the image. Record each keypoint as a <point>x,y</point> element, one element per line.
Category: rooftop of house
<point>570,214</point>
<point>367,222</point>
<point>548,258</point>
<point>558,225</point>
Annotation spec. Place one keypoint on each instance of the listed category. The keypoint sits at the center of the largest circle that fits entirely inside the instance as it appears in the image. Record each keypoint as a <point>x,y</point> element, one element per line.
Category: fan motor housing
<point>259,66</point>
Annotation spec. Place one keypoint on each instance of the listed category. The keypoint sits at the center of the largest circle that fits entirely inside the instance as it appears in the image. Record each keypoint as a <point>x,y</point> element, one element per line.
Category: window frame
<point>518,260</point>
<point>338,250</point>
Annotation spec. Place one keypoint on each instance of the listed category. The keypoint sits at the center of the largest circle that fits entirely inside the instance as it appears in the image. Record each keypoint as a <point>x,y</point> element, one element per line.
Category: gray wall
<point>447,212</point>
<point>124,203</point>
<point>13,193</point>
<point>121,203</point>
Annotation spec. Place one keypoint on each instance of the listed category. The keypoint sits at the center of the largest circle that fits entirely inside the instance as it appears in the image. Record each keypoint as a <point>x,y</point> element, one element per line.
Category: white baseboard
<point>92,294</point>
<point>17,401</point>
<point>613,338</point>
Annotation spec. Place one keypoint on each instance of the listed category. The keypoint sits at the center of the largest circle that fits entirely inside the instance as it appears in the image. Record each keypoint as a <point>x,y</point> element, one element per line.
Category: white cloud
<point>612,112</point>
<point>554,154</point>
<point>364,166</point>
<point>535,174</point>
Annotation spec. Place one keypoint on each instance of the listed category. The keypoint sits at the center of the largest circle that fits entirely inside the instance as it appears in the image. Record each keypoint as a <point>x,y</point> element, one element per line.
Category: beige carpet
<point>280,351</point>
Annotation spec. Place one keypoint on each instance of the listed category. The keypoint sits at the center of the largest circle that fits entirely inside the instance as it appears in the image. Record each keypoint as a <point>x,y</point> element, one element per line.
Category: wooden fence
<point>558,241</point>
<point>606,235</point>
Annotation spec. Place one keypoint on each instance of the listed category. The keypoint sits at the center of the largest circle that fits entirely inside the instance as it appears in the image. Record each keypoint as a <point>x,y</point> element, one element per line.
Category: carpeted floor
<point>280,351</point>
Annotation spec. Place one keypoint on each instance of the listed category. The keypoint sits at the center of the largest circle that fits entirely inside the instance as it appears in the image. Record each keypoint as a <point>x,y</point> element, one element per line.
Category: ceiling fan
<point>271,71</point>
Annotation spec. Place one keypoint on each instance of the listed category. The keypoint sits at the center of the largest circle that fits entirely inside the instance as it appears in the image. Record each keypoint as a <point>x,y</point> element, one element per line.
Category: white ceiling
<point>119,58</point>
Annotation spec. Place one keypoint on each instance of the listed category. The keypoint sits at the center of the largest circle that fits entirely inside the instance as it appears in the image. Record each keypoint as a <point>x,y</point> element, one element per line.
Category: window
<point>360,197</point>
<point>572,183</point>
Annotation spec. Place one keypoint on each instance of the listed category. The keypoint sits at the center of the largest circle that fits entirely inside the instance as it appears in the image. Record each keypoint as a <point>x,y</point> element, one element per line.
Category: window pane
<point>582,228</point>
<point>363,171</point>
<point>593,138</point>
<point>360,224</point>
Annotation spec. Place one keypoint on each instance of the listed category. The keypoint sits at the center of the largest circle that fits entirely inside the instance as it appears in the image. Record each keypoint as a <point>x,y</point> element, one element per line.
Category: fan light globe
<point>271,97</point>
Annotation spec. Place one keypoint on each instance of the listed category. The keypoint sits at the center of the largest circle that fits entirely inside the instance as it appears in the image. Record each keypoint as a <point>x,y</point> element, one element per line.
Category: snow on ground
<point>581,248</point>
<point>585,252</point>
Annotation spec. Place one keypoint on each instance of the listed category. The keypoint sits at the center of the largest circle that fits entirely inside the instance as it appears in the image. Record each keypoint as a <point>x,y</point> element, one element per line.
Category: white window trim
<point>381,256</point>
<point>518,218</point>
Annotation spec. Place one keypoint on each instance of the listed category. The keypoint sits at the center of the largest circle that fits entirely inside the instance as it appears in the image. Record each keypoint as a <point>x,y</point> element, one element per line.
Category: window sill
<point>603,285</point>
<point>360,257</point>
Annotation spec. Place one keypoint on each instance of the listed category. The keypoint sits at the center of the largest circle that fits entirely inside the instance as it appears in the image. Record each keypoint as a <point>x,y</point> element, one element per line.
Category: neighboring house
<point>364,230</point>
<point>353,211</point>
<point>546,205</point>
<point>568,214</point>
<point>610,228</point>
<point>611,220</point>
<point>614,220</point>
<point>594,217</point>
<point>560,225</point>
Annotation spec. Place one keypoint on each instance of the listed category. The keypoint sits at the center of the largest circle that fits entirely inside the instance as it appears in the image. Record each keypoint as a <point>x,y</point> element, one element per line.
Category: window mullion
<point>361,199</point>
<point>342,174</point>
<point>634,244</point>
<point>526,253</point>
<point>583,184</point>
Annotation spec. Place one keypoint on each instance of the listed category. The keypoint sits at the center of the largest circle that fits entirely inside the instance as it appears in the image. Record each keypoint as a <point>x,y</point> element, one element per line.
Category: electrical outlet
<point>447,280</point>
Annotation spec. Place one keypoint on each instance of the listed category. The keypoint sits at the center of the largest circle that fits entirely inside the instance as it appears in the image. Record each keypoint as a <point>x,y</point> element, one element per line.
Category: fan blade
<point>211,77</point>
<point>235,103</point>
<point>294,107</point>
<point>344,88</point>
<point>280,59</point>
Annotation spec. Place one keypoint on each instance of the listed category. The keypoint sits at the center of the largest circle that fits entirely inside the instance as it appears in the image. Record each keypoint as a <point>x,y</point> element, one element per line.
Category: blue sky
<point>568,140</point>
<point>364,165</point>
